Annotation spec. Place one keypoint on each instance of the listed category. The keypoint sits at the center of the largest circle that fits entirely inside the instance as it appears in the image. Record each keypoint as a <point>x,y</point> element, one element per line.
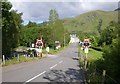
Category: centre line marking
<point>60,61</point>
<point>53,66</point>
<point>34,77</point>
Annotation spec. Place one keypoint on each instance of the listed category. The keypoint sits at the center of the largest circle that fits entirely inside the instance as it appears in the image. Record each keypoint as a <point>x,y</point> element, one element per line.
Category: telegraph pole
<point>64,40</point>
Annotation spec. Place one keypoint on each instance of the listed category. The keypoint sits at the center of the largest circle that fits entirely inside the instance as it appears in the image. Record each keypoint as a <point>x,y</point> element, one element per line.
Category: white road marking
<point>34,77</point>
<point>60,61</point>
<point>41,73</point>
<point>53,66</point>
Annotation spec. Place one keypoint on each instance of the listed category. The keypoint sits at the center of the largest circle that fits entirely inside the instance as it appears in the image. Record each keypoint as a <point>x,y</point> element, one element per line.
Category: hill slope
<point>89,21</point>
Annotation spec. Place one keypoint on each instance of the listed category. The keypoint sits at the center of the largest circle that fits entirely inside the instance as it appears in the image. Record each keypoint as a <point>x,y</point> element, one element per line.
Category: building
<point>73,38</point>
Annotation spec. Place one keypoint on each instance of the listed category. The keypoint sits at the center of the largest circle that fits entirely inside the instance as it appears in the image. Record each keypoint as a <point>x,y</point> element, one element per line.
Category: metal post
<point>4,59</point>
<point>18,57</point>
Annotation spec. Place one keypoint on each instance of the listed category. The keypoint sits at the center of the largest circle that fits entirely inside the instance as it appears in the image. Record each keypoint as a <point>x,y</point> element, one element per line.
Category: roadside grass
<point>15,60</point>
<point>93,55</point>
<point>54,51</point>
<point>22,47</point>
<point>22,58</point>
<point>92,73</point>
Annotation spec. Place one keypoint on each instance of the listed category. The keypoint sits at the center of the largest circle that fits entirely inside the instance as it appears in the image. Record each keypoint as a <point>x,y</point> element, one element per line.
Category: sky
<point>38,10</point>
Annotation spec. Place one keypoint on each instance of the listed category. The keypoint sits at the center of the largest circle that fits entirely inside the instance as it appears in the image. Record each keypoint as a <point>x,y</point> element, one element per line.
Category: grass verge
<point>22,58</point>
<point>15,60</point>
<point>92,73</point>
<point>52,51</point>
<point>93,55</point>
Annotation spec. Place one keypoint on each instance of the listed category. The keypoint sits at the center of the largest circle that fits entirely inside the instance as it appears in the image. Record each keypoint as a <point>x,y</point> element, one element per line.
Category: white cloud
<point>64,0</point>
<point>39,11</point>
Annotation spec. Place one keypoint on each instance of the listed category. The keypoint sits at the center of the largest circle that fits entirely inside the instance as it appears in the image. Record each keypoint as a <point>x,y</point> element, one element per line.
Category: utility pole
<point>64,40</point>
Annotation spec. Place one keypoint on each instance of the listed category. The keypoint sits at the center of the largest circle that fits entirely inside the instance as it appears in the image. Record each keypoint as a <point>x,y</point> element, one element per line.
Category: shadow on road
<point>74,58</point>
<point>77,52</point>
<point>71,75</point>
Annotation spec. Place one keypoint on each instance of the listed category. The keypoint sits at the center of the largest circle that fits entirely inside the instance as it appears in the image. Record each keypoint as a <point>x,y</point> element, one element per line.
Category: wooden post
<point>4,59</point>
<point>26,57</point>
<point>41,51</point>
<point>14,54</point>
<point>103,78</point>
<point>33,56</point>
<point>47,54</point>
<point>86,61</point>
<point>33,53</point>
<point>40,55</point>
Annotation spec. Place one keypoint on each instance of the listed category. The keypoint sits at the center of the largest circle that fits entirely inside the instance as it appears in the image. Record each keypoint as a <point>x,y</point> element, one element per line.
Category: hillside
<point>89,21</point>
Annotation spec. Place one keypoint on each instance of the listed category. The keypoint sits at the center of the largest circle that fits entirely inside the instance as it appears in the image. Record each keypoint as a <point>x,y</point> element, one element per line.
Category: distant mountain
<point>89,21</point>
<point>118,9</point>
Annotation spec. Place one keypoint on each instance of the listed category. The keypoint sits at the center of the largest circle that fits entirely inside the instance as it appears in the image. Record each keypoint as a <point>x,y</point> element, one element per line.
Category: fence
<point>18,57</point>
<point>93,74</point>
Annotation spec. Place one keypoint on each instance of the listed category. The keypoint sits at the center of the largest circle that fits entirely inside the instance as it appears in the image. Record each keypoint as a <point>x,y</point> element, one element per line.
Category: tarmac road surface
<point>61,67</point>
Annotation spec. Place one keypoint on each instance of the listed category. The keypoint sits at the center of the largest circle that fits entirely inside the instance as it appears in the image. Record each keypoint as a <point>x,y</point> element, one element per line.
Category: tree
<point>108,34</point>
<point>57,27</point>
<point>111,52</point>
<point>31,24</point>
<point>53,15</point>
<point>93,41</point>
<point>29,34</point>
<point>11,21</point>
<point>99,26</point>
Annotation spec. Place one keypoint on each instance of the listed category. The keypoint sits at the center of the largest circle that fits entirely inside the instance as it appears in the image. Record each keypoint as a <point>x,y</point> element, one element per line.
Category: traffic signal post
<point>39,45</point>
<point>86,44</point>
<point>86,56</point>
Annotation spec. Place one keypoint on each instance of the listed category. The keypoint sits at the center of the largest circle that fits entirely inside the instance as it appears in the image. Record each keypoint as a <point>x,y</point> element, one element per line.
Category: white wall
<point>73,39</point>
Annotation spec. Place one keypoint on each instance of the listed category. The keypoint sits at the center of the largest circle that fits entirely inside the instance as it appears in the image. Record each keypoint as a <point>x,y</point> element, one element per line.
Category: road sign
<point>87,40</point>
<point>86,43</point>
<point>47,49</point>
<point>39,50</point>
<point>81,48</point>
<point>33,45</point>
<point>39,43</point>
<point>86,50</point>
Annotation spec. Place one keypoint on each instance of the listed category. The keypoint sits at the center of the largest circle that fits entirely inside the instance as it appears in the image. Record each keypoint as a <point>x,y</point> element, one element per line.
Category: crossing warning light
<point>86,43</point>
<point>39,43</point>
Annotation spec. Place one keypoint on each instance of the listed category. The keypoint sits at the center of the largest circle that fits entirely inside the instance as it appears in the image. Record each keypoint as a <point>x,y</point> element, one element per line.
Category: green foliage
<point>11,21</point>
<point>99,26</point>
<point>94,56</point>
<point>31,24</point>
<point>53,15</point>
<point>14,60</point>
<point>111,46</point>
<point>57,27</point>
<point>28,35</point>
<point>90,22</point>
<point>50,31</point>
<point>83,35</point>
<point>67,36</point>
<point>110,43</point>
<point>58,31</point>
<point>112,56</point>
<point>108,34</point>
<point>93,41</point>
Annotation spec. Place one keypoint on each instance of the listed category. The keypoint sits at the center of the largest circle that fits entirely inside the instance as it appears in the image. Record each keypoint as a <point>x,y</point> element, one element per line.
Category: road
<point>62,67</point>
